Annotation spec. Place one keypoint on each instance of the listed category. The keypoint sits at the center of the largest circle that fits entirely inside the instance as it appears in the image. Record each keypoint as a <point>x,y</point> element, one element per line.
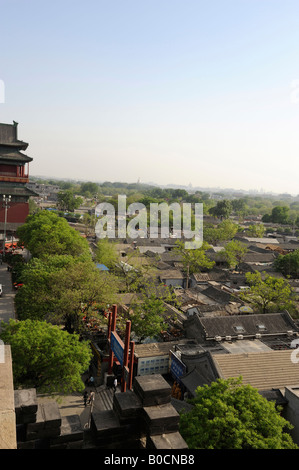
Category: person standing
<point>85,396</point>
<point>91,398</point>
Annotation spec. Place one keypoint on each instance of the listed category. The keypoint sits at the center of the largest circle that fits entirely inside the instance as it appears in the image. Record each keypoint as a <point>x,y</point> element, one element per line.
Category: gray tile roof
<point>8,136</point>
<point>275,323</point>
<point>13,156</point>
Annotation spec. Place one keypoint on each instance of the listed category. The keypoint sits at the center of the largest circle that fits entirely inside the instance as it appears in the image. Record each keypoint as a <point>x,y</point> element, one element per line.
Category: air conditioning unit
<point>217,338</point>
<point>228,338</point>
<point>290,332</point>
<point>258,336</point>
<point>240,337</point>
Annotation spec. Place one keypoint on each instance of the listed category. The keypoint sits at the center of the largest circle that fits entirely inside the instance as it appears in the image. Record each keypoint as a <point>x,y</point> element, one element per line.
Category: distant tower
<point>14,175</point>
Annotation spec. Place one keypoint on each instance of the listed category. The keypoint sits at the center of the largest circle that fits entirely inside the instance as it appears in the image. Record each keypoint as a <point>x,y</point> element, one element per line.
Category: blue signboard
<point>177,368</point>
<point>117,347</point>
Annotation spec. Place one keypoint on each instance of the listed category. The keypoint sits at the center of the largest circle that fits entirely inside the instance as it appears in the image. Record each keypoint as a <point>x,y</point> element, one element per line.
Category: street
<point>7,309</point>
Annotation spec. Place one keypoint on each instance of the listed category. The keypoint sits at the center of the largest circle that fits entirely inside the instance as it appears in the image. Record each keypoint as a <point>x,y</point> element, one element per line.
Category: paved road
<point>7,309</point>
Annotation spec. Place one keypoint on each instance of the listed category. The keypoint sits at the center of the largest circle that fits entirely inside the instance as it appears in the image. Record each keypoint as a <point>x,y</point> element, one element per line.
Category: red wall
<point>16,213</point>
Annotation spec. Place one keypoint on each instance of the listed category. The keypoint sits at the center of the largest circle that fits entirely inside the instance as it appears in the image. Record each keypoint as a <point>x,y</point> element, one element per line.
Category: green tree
<point>148,314</point>
<point>234,252</point>
<point>288,264</point>
<point>222,210</point>
<point>67,201</point>
<point>224,231</point>
<point>44,233</point>
<point>194,260</point>
<point>35,299</point>
<point>256,230</point>
<point>147,317</point>
<point>45,357</point>
<point>230,415</point>
<point>212,235</point>
<point>268,294</point>
<point>76,289</point>
<point>89,189</point>
<point>240,206</point>
<point>279,215</point>
<point>106,253</point>
<point>90,222</point>
<point>61,289</point>
<point>228,229</point>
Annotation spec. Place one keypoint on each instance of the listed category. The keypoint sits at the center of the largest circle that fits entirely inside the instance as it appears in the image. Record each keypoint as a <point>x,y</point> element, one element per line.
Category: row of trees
<point>61,282</point>
<point>282,215</point>
<point>228,205</point>
<point>61,285</point>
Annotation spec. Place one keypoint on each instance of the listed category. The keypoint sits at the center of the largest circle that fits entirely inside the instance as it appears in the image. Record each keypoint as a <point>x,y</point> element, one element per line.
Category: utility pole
<point>6,201</point>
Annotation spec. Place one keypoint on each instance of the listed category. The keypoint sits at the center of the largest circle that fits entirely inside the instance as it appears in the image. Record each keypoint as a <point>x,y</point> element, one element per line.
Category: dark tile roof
<point>192,380</point>
<point>211,276</point>
<point>218,295</point>
<point>252,257</point>
<point>275,323</point>
<point>258,249</point>
<point>171,274</point>
<point>8,136</point>
<point>170,256</point>
<point>274,395</point>
<point>13,156</point>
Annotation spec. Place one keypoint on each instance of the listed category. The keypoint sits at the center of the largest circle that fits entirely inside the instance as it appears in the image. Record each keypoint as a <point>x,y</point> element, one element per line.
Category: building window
<point>239,329</point>
<point>261,327</point>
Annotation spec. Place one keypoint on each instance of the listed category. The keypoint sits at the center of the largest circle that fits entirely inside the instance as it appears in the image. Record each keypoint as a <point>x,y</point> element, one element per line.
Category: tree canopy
<point>194,260</point>
<point>279,215</point>
<point>268,294</point>
<point>256,230</point>
<point>234,252</point>
<point>45,357</point>
<point>222,210</point>
<point>67,201</point>
<point>148,310</point>
<point>60,289</point>
<point>226,230</point>
<point>106,253</point>
<point>288,264</point>
<point>230,415</point>
<point>45,233</point>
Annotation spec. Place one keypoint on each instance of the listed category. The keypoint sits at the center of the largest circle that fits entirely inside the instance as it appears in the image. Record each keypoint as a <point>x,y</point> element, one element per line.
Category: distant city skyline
<point>194,92</point>
<point>189,187</point>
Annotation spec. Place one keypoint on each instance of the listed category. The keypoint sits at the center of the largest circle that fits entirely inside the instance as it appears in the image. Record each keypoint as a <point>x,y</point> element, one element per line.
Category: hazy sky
<point>179,92</point>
